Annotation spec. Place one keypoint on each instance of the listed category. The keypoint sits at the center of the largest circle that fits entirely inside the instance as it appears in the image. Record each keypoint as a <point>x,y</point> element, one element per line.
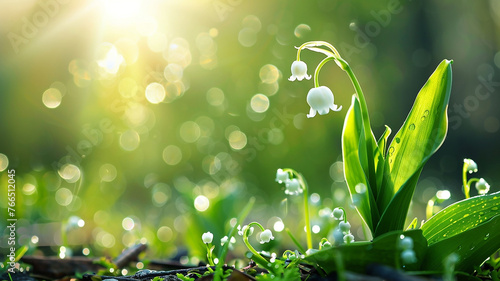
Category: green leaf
<point>354,153</point>
<point>421,135</point>
<point>461,216</point>
<point>382,250</point>
<point>473,246</point>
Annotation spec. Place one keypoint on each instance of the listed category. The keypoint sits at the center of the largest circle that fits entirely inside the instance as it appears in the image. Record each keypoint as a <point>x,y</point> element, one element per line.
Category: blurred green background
<point>155,121</point>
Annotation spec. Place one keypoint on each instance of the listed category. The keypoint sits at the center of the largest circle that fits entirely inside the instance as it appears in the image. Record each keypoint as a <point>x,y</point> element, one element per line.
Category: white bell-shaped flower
<point>471,166</point>
<point>293,187</point>
<point>482,186</point>
<point>320,100</point>
<point>207,237</point>
<point>266,236</point>
<point>282,176</point>
<point>299,71</point>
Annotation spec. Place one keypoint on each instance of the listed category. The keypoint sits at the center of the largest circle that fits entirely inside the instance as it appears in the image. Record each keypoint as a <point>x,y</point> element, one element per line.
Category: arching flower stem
<point>333,54</point>
<point>255,255</point>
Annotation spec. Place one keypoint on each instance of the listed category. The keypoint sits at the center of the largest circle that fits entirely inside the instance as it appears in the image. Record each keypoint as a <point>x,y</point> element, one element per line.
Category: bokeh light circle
<point>129,140</point>
<point>52,98</point>
<point>172,155</point>
<point>155,93</point>
<point>4,162</point>
<point>201,203</point>
<point>259,103</point>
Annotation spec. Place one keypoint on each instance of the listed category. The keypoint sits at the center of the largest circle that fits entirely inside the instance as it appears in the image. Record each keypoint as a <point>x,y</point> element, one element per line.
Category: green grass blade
<point>421,135</point>
<point>461,216</point>
<point>473,246</point>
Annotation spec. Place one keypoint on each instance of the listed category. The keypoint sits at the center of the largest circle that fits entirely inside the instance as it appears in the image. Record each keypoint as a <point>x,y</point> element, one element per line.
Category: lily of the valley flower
<point>470,165</point>
<point>320,100</point>
<point>282,176</point>
<point>299,71</point>
<point>482,186</point>
<point>293,187</point>
<point>231,241</point>
<point>338,213</point>
<point>266,236</point>
<point>241,230</point>
<point>207,237</point>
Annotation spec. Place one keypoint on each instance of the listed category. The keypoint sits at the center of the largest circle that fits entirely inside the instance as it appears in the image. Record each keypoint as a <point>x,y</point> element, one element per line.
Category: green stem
<point>366,121</point>
<point>256,256</point>
<point>303,182</point>
<point>318,68</point>
<point>301,249</point>
<point>464,179</point>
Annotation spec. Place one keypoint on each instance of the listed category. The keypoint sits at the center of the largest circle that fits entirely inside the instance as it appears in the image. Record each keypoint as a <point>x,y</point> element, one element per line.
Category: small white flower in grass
<point>225,239</point>
<point>348,238</point>
<point>345,227</point>
<point>320,100</point>
<point>241,230</point>
<point>337,213</point>
<point>338,236</point>
<point>266,236</point>
<point>282,176</point>
<point>207,237</point>
<point>299,71</point>
<point>406,243</point>
<point>408,256</point>
<point>471,166</point>
<point>311,251</point>
<point>482,186</point>
<point>293,187</point>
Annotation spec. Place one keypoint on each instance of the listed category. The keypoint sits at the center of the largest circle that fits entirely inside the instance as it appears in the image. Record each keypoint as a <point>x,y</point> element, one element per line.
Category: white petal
<point>292,78</point>
<point>335,107</point>
<point>312,113</point>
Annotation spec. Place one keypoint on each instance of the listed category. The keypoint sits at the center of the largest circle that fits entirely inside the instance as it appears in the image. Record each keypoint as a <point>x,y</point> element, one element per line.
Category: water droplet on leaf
<point>391,150</point>
<point>398,140</point>
<point>412,127</point>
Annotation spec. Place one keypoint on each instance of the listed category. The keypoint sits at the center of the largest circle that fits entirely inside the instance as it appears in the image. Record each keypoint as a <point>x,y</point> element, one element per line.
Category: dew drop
<point>412,127</point>
<point>391,150</point>
<point>481,213</point>
<point>494,208</point>
<point>486,236</point>
<point>459,248</point>
<point>426,113</point>
<point>398,140</point>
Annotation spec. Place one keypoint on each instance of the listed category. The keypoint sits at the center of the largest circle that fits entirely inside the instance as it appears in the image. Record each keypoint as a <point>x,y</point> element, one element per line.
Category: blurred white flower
<point>337,213</point>
<point>482,186</point>
<point>293,187</point>
<point>470,165</point>
<point>266,236</point>
<point>282,176</point>
<point>207,237</point>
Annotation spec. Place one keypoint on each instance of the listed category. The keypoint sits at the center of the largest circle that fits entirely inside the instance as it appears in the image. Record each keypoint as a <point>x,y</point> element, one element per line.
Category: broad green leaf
<point>473,246</point>
<point>382,250</point>
<point>394,216</point>
<point>421,135</point>
<point>355,165</point>
<point>461,216</point>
